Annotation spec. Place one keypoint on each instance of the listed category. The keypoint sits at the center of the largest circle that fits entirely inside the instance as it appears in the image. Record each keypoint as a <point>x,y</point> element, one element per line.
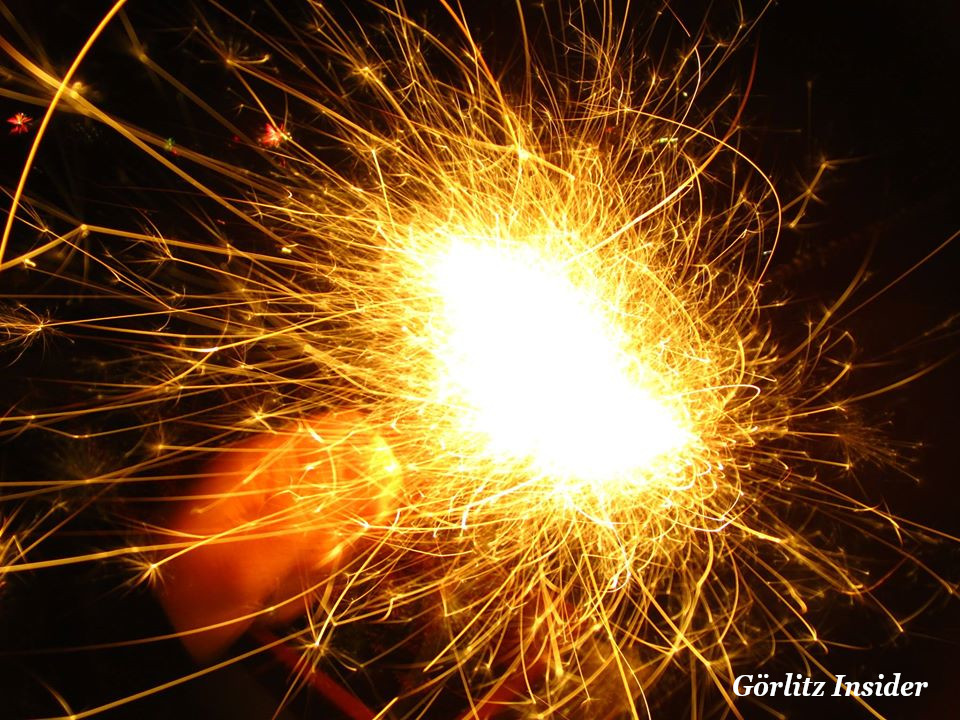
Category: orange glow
<point>250,541</point>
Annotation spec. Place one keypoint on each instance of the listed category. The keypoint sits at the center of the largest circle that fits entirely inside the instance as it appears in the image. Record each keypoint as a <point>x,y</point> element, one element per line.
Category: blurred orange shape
<point>271,516</point>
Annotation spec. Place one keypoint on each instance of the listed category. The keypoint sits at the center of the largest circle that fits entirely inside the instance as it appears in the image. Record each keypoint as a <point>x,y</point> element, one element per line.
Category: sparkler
<point>495,369</point>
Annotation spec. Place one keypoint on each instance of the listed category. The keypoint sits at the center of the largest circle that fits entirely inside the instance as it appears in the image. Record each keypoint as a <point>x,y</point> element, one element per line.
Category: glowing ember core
<point>539,369</point>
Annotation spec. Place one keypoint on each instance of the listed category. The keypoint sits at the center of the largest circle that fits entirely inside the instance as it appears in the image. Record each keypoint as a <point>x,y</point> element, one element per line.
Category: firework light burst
<point>479,360</point>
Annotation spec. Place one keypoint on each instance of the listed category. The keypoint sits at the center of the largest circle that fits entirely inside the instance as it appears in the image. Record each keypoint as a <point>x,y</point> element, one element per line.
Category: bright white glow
<point>540,370</point>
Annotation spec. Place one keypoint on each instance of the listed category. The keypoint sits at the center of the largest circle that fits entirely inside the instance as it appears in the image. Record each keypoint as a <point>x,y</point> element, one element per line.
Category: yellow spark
<point>535,364</point>
<point>495,372</point>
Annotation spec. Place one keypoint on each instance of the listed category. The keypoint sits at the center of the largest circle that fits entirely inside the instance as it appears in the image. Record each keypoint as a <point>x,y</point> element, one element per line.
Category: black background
<point>871,86</point>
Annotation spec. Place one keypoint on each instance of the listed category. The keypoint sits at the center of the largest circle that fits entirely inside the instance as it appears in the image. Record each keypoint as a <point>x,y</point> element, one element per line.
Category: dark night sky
<point>871,85</point>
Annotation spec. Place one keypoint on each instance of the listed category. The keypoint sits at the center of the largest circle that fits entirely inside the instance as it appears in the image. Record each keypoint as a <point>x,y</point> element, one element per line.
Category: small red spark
<point>272,135</point>
<point>20,123</point>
